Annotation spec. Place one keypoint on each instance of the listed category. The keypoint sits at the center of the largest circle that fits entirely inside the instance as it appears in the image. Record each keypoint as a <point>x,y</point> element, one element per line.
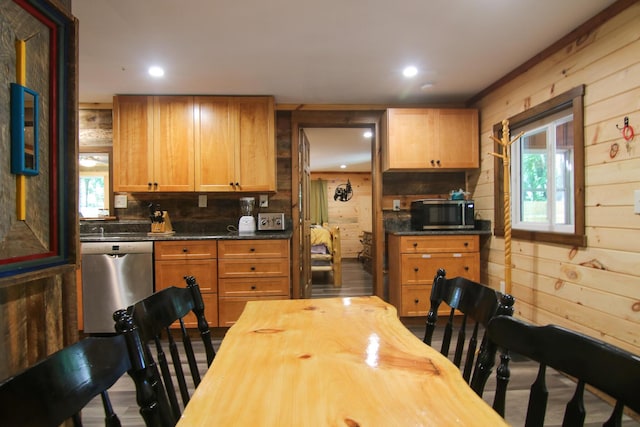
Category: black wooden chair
<point>609,369</point>
<point>59,386</point>
<point>478,304</point>
<point>154,317</point>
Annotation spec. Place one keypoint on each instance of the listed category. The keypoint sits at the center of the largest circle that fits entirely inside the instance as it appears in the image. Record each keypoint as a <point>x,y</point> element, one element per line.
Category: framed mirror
<point>24,130</point>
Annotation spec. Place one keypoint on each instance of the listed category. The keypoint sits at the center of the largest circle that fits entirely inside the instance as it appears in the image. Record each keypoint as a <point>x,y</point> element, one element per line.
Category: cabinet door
<point>172,273</point>
<point>410,137</point>
<point>256,164</point>
<point>458,140</point>
<point>173,143</point>
<point>133,143</point>
<point>215,147</point>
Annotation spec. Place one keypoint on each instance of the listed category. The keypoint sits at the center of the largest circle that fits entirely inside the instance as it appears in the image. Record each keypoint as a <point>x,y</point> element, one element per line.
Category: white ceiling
<point>320,52</point>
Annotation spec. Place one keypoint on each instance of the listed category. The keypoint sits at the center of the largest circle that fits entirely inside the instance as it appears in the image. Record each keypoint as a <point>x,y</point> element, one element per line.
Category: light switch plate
<point>636,201</point>
<point>202,201</point>
<point>120,201</point>
<point>264,200</point>
<point>396,204</point>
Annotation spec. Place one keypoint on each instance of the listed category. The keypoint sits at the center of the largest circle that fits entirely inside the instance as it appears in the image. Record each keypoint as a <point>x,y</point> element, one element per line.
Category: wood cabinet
<point>235,144</point>
<point>430,139</point>
<point>250,270</point>
<point>414,261</point>
<point>153,143</point>
<point>176,259</point>
<point>194,143</point>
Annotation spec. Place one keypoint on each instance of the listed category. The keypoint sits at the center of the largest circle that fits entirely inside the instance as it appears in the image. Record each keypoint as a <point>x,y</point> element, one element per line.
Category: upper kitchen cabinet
<point>430,139</point>
<point>235,144</point>
<point>153,143</point>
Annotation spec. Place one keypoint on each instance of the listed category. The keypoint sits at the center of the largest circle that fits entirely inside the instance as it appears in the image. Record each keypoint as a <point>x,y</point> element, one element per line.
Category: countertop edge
<point>140,237</point>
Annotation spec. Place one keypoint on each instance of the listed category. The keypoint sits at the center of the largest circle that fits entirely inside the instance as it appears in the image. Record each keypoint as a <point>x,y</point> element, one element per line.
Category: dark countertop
<point>140,237</point>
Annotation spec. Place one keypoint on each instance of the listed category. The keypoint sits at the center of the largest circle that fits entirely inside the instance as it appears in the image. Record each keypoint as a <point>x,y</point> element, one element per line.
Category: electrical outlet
<point>502,286</point>
<point>120,201</point>
<point>396,204</point>
<point>264,200</point>
<point>202,201</point>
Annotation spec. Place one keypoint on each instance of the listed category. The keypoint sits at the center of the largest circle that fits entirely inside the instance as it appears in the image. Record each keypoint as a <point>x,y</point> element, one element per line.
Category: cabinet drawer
<point>415,302</point>
<point>182,250</point>
<point>258,267</point>
<point>449,243</point>
<point>254,287</point>
<point>229,309</point>
<point>253,249</point>
<point>422,268</point>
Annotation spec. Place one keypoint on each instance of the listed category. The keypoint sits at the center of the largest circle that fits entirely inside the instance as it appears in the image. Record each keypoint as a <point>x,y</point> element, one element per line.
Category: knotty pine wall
<point>595,289</point>
<point>353,216</point>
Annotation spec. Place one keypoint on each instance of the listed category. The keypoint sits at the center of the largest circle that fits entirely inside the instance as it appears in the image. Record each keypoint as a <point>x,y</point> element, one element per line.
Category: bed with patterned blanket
<point>325,251</point>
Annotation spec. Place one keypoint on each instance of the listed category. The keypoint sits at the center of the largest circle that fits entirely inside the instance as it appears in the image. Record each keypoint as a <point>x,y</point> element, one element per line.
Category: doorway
<point>340,168</point>
<point>301,120</point>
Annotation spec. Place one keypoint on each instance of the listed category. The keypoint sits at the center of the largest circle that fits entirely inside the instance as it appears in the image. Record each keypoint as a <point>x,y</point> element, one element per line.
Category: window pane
<point>534,177</point>
<point>564,173</point>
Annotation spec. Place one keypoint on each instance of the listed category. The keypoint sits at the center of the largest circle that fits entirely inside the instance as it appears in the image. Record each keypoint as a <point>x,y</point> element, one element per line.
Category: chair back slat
<point>471,351</point>
<point>462,334</point>
<point>478,304</point>
<point>537,406</point>
<point>156,317</point>
<point>603,366</point>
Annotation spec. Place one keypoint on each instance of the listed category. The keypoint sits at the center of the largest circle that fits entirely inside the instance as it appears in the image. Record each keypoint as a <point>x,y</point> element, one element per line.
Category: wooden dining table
<point>331,362</point>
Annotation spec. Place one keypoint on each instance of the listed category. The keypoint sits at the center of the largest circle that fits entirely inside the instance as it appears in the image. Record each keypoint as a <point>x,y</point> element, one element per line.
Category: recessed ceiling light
<point>410,71</point>
<point>367,134</point>
<point>156,71</point>
<point>343,166</point>
<point>426,86</point>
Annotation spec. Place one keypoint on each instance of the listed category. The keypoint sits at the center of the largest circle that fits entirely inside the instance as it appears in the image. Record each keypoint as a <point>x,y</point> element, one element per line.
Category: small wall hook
<point>627,131</point>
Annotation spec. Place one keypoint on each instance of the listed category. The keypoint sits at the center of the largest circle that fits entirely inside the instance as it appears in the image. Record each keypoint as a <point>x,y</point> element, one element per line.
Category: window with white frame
<point>547,172</point>
<point>542,167</point>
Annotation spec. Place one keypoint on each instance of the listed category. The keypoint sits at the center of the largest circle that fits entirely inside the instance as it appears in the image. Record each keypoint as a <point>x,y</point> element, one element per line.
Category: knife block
<point>163,227</point>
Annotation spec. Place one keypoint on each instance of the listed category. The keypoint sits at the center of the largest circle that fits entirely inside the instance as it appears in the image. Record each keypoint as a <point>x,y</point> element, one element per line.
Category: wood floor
<point>357,282</point>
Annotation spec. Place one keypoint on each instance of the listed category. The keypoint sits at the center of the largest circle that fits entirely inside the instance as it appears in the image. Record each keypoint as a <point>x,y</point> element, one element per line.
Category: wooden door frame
<point>339,118</point>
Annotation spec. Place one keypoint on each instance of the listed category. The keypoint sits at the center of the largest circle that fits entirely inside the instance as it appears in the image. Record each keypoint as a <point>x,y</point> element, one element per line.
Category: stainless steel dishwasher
<point>114,276</point>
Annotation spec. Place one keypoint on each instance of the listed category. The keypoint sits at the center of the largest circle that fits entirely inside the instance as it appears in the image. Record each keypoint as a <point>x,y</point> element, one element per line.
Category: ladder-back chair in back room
<point>608,368</point>
<point>478,304</point>
<point>154,317</point>
<point>58,387</point>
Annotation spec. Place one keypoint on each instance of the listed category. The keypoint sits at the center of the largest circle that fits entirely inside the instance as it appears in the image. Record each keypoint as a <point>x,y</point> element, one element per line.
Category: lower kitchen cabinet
<point>414,261</point>
<point>251,270</point>
<point>198,258</point>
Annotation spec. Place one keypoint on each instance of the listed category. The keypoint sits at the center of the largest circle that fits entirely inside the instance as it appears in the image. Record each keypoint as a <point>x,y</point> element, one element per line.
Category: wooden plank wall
<point>595,289</point>
<point>353,216</point>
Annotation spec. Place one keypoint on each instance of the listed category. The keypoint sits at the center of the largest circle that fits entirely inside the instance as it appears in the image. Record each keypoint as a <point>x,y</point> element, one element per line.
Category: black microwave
<point>437,214</point>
